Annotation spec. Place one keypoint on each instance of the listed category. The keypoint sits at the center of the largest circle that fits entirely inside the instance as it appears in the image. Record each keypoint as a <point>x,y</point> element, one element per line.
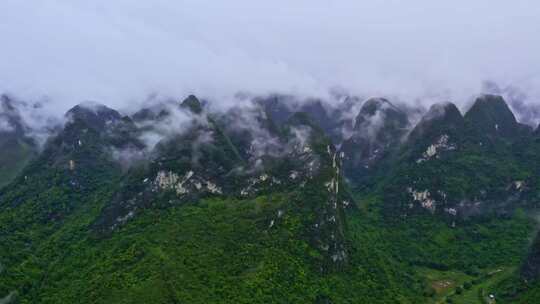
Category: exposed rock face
<point>424,198</point>
<point>434,150</point>
<point>188,183</point>
<point>335,243</point>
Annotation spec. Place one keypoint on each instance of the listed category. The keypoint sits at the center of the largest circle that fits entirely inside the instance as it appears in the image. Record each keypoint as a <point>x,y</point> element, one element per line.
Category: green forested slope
<point>224,224</point>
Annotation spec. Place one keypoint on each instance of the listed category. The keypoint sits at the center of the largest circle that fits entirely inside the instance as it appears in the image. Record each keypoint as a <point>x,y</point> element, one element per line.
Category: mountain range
<point>279,200</point>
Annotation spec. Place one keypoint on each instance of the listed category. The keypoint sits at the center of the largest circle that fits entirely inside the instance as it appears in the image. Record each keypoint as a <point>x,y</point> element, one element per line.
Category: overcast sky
<point>118,52</point>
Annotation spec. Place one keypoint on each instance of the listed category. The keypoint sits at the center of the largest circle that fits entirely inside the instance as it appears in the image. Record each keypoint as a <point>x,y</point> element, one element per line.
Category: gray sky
<point>119,52</point>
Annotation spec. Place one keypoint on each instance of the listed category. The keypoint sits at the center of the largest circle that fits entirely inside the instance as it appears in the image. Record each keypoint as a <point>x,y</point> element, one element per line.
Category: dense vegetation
<point>213,251</point>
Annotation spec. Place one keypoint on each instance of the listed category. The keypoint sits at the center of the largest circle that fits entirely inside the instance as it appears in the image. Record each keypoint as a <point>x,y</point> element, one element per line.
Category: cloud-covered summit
<point>121,52</point>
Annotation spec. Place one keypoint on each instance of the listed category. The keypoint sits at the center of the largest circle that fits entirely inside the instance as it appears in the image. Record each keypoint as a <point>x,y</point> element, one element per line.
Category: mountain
<point>441,118</point>
<point>209,210</point>
<point>378,131</point>
<point>462,166</point>
<point>278,200</point>
<point>491,116</point>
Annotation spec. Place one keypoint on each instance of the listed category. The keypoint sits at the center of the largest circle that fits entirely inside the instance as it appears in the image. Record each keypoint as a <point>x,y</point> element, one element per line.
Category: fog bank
<point>121,53</point>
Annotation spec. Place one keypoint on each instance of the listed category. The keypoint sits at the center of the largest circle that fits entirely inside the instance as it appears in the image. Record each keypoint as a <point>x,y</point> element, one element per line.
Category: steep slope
<point>16,148</point>
<point>379,128</point>
<point>463,167</point>
<point>202,162</point>
<point>451,198</point>
<point>189,165</point>
<point>74,163</point>
<point>443,125</point>
<point>490,114</point>
<point>68,177</point>
<point>182,204</point>
<point>198,219</point>
<point>490,117</point>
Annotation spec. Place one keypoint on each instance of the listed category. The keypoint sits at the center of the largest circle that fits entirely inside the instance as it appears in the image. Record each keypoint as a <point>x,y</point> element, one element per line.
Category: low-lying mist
<point>125,54</point>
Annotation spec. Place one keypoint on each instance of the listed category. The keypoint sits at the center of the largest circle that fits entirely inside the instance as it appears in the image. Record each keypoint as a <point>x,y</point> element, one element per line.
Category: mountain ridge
<point>293,178</point>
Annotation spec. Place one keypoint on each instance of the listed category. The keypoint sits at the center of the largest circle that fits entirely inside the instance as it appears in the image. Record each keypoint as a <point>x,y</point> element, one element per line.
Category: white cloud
<point>120,52</point>
<point>5,125</point>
